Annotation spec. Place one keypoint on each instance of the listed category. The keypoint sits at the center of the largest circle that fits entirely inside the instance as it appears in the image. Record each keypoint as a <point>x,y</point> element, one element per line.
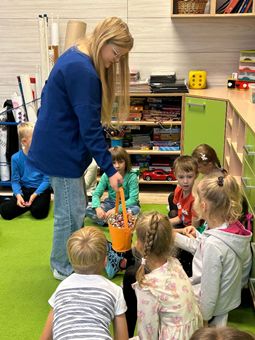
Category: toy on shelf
<point>158,174</point>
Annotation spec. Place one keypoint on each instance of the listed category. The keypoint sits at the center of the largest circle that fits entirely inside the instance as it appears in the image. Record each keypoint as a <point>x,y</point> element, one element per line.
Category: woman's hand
<point>115,181</point>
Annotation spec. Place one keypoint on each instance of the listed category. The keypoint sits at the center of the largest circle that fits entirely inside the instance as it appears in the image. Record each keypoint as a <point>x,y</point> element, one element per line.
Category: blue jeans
<point>69,212</point>
<point>107,205</point>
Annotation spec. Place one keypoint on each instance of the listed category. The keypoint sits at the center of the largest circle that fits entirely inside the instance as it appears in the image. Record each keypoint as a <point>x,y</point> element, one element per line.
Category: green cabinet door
<point>204,123</point>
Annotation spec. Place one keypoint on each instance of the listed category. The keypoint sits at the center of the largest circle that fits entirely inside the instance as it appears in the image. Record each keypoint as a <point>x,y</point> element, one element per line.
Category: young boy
<point>30,187</point>
<point>85,303</point>
<point>186,170</point>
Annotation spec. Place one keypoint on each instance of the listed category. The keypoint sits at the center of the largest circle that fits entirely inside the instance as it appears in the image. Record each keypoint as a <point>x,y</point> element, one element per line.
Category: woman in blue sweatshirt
<point>77,97</point>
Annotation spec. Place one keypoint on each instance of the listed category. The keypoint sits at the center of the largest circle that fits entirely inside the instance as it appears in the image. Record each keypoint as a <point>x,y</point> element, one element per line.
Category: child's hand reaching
<point>101,213</point>
<point>110,212</point>
<point>189,231</point>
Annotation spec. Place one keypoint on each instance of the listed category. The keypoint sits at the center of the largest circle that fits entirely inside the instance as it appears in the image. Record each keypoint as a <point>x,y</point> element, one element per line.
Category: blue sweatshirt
<point>68,132</point>
<point>23,175</point>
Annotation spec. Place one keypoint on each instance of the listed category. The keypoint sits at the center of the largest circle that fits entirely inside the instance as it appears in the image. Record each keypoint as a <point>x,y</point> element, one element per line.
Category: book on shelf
<point>222,7</point>
<point>246,6</point>
<point>231,6</point>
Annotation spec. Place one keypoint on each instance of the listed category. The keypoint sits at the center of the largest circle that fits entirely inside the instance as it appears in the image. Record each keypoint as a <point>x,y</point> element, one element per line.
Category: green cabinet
<point>204,123</point>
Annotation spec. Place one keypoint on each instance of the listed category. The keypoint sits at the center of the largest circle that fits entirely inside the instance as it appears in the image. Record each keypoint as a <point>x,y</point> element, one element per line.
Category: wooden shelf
<point>151,152</point>
<point>212,12</point>
<point>239,154</point>
<point>142,181</point>
<point>147,123</point>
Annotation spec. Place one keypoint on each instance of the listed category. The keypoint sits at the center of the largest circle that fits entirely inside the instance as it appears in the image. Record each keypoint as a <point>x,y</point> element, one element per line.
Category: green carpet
<point>27,283</point>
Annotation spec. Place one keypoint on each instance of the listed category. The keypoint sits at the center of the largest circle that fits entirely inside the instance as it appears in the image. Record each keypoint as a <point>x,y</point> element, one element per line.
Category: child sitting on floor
<point>100,211</point>
<point>185,169</point>
<point>166,304</point>
<point>222,254</point>
<point>30,187</point>
<point>85,303</point>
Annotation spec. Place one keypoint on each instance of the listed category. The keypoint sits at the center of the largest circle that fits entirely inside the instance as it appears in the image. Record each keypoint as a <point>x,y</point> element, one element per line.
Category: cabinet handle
<point>244,182</point>
<point>246,149</point>
<point>197,105</point>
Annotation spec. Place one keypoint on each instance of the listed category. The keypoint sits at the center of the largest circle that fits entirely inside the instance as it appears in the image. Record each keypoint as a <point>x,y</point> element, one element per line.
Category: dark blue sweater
<point>68,132</point>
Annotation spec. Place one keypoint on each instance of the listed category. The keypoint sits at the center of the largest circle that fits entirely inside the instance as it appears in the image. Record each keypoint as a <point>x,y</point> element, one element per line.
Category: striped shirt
<point>84,306</point>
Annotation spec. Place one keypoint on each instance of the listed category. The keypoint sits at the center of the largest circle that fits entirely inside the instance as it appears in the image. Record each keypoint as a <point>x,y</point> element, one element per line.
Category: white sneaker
<point>58,276</point>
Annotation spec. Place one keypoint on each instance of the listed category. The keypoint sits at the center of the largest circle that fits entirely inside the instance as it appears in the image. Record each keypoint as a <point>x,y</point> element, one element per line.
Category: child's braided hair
<point>154,231</point>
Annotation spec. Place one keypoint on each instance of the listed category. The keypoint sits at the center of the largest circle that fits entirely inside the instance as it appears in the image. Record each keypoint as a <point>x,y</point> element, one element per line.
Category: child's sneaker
<point>113,261</point>
<point>58,276</point>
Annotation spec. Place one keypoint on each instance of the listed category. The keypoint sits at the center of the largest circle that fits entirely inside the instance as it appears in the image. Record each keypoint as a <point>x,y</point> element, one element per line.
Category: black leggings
<point>39,208</point>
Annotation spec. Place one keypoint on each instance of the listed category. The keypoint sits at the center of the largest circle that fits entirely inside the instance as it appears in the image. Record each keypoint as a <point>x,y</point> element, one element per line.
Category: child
<point>101,211</point>
<point>167,308</point>
<point>208,163</point>
<point>207,159</point>
<point>185,170</point>
<point>222,254</point>
<point>30,186</point>
<point>222,333</point>
<point>85,303</point>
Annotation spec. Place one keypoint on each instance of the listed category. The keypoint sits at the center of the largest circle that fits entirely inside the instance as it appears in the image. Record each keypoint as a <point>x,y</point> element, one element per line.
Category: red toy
<point>158,174</point>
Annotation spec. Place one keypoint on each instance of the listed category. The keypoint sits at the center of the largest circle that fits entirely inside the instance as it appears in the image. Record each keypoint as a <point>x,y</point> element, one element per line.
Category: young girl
<point>167,308</point>
<point>222,254</point>
<point>207,159</point>
<point>101,211</point>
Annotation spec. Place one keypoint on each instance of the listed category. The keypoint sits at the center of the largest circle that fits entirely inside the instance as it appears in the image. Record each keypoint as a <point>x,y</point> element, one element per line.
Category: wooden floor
<point>149,193</point>
<point>156,193</point>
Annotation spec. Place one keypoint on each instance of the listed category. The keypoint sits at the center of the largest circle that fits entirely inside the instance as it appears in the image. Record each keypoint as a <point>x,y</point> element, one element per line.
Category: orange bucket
<point>121,237</point>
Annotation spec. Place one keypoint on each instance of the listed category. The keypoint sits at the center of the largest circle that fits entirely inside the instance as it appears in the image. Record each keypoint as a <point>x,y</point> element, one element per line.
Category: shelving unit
<point>234,143</point>
<point>212,11</point>
<point>144,127</point>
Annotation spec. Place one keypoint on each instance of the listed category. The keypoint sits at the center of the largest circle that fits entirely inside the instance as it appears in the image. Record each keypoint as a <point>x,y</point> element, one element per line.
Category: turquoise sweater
<point>131,190</point>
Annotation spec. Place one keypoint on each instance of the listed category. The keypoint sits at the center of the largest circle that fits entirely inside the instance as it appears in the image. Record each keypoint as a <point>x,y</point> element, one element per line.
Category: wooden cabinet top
<point>239,99</point>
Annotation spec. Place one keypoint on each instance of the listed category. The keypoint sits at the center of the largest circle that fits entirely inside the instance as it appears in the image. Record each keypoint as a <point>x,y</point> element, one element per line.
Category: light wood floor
<point>149,193</point>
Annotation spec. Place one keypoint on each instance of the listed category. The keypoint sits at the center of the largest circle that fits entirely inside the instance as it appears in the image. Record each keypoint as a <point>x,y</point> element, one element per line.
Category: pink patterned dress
<point>166,306</point>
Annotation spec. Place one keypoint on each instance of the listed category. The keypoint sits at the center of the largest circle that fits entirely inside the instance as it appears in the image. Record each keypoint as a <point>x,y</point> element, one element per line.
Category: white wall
<point>161,43</point>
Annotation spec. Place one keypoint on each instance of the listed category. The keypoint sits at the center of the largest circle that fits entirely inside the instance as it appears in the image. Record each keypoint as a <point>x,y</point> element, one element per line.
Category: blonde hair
<point>87,249</point>
<point>25,129</point>
<point>221,333</point>
<point>205,154</point>
<point>120,154</point>
<point>186,164</point>
<point>223,195</point>
<point>115,31</point>
<point>154,231</point>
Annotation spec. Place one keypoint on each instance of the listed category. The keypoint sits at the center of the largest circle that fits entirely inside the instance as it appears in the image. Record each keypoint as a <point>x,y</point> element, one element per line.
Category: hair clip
<point>143,261</point>
<point>220,181</point>
<point>203,156</point>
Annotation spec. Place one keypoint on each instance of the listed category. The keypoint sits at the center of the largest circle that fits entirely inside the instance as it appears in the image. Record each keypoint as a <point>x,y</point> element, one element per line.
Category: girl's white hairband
<point>143,261</point>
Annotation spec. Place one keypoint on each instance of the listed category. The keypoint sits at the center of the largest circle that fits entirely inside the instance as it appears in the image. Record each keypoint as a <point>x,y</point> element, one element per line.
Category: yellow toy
<point>197,79</point>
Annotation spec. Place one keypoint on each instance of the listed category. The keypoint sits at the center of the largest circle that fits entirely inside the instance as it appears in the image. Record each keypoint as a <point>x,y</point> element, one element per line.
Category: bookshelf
<point>153,132</point>
<point>211,10</point>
